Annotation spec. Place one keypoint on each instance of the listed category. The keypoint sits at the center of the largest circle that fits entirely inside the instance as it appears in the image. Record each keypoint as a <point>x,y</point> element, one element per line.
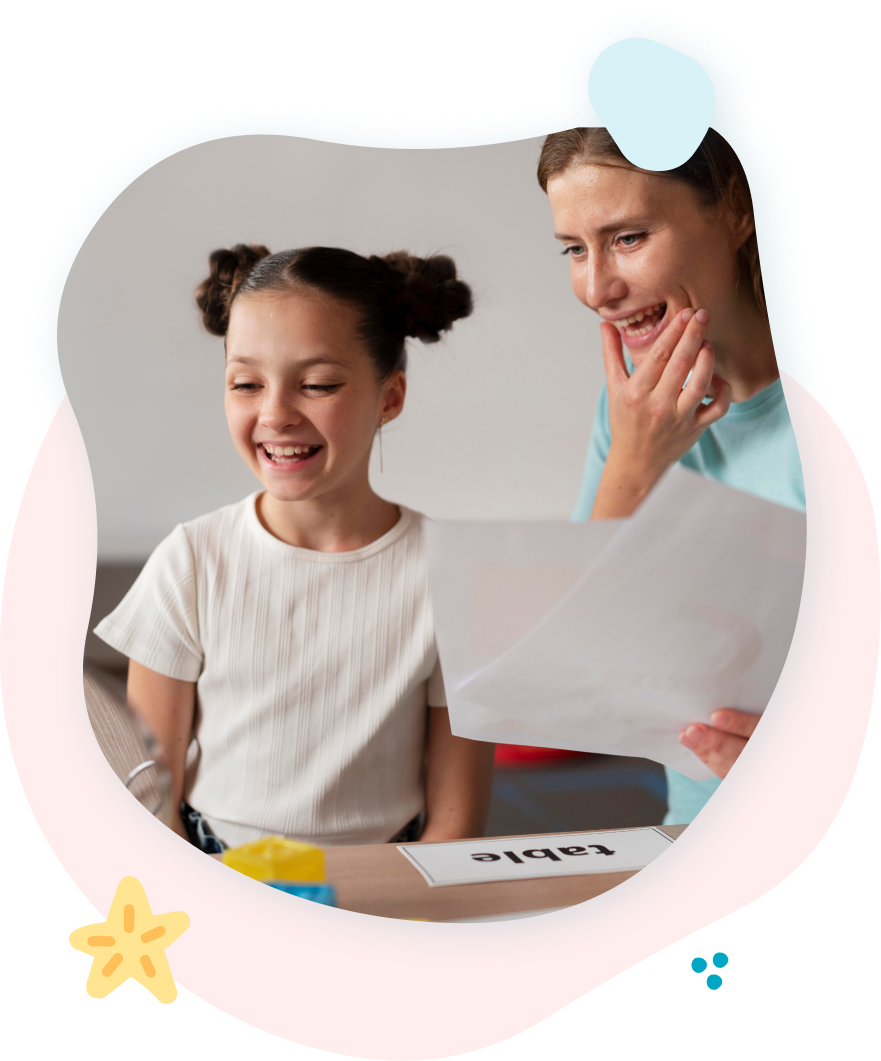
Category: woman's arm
<point>168,707</point>
<point>458,784</point>
<point>720,744</point>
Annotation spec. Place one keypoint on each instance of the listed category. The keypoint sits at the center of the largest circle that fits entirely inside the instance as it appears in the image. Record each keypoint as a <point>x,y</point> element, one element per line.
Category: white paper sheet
<point>610,637</point>
<point>528,857</point>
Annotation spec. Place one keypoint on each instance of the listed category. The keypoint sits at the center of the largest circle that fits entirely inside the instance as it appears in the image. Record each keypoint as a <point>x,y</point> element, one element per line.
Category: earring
<point>384,420</point>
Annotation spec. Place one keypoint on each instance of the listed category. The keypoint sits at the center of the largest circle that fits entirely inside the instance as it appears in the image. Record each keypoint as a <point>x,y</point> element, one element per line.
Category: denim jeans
<point>199,832</point>
<point>201,835</point>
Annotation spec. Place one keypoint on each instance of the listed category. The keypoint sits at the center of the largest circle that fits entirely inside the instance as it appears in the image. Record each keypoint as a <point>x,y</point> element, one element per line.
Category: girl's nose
<point>279,411</point>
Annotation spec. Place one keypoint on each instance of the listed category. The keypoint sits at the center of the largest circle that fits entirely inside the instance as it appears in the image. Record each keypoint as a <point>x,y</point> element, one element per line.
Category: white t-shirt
<point>314,673</point>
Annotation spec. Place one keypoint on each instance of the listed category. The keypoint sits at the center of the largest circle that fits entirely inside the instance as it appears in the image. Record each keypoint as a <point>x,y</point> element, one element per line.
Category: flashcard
<point>525,857</point>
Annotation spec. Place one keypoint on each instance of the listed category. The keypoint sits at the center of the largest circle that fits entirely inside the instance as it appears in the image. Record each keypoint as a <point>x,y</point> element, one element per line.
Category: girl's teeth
<point>278,453</point>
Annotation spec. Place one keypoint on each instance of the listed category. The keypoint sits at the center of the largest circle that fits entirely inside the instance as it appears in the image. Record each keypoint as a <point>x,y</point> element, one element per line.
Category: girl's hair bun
<point>426,292</point>
<point>228,268</point>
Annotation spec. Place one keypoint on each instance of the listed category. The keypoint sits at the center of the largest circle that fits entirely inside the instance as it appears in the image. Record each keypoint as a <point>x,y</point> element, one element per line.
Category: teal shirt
<point>752,448</point>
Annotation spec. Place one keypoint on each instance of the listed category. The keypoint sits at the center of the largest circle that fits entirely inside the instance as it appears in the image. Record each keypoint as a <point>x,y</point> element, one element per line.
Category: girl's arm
<point>168,707</point>
<point>458,783</point>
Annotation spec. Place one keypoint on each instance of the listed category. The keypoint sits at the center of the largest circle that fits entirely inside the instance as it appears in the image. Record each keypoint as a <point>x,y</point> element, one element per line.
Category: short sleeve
<point>597,451</point>
<point>437,696</point>
<point>156,624</point>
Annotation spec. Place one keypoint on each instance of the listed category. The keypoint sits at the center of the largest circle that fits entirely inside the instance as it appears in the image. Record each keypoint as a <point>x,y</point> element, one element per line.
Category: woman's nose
<point>599,283</point>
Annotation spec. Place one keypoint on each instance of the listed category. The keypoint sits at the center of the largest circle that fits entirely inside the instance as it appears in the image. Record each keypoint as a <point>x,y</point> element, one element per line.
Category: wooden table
<point>377,879</point>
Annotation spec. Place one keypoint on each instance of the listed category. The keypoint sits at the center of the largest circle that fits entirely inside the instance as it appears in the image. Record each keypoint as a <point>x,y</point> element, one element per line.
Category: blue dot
<point>720,960</point>
<point>698,965</point>
<point>714,982</point>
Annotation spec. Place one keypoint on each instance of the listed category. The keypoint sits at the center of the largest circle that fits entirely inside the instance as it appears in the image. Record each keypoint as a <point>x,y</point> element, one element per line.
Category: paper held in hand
<point>611,636</point>
<point>528,857</point>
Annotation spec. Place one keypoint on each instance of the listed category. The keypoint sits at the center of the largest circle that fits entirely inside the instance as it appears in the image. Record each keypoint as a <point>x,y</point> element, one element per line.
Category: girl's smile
<point>286,456</point>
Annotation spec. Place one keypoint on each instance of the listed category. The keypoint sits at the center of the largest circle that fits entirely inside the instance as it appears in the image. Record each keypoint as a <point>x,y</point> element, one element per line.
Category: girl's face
<point>302,399</point>
<point>642,248</point>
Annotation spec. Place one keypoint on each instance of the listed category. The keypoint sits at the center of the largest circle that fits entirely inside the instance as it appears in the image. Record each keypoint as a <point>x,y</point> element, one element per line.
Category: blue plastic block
<point>317,893</point>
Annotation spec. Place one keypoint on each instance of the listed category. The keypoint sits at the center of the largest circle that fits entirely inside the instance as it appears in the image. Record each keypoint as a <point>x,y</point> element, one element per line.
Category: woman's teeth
<point>284,453</point>
<point>625,322</point>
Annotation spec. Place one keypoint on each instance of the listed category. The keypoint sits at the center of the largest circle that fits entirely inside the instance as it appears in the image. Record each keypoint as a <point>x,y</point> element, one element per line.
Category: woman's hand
<point>720,744</point>
<point>654,415</point>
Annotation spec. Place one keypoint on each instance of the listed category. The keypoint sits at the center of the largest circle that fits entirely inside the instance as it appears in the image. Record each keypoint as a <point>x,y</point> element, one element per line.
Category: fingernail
<point>720,718</point>
<point>690,736</point>
<point>702,316</point>
<point>687,314</point>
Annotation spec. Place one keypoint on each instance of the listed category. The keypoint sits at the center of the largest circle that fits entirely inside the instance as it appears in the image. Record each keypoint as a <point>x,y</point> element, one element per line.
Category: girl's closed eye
<point>322,388</point>
<point>244,387</point>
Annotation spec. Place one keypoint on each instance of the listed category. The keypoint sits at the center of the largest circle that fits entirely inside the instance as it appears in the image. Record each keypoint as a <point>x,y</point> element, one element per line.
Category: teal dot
<point>698,965</point>
<point>720,960</point>
<point>714,982</point>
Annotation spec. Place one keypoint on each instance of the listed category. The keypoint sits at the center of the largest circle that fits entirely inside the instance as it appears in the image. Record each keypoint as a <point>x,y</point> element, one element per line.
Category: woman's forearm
<point>458,782</point>
<point>622,490</point>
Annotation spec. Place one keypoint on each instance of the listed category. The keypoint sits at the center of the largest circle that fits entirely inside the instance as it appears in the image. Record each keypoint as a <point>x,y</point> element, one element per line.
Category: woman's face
<point>642,248</point>
<point>302,399</point>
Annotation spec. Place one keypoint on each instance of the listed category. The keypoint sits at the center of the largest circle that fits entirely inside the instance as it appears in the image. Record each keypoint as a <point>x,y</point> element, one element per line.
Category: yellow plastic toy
<point>277,858</point>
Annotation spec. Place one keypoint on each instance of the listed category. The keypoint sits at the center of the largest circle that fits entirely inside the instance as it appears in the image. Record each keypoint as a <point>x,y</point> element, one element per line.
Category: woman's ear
<point>739,212</point>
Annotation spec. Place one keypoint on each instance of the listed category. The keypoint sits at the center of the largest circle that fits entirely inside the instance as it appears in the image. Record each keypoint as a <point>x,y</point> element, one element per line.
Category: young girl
<point>292,632</point>
<point>670,263</point>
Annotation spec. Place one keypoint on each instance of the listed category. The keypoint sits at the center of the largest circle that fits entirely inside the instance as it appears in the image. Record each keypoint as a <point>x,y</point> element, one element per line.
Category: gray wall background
<point>498,414</point>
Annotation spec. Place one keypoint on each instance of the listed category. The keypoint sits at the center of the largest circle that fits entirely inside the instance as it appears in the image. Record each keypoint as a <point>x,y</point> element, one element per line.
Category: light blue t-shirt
<point>752,448</point>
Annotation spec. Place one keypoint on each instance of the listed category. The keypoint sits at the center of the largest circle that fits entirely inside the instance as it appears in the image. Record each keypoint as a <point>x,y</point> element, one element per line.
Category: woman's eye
<point>245,387</point>
<point>322,388</point>
<point>574,249</point>
<point>630,239</point>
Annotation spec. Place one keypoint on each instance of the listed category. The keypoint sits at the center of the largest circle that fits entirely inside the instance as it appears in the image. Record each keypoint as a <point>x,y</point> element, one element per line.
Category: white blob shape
<point>777,802</point>
<point>656,102</point>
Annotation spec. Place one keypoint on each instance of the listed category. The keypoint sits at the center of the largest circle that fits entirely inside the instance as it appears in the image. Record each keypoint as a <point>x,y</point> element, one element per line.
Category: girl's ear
<point>394,391</point>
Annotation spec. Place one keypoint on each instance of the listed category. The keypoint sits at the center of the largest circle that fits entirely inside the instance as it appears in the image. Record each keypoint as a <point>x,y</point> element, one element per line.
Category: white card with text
<point>524,857</point>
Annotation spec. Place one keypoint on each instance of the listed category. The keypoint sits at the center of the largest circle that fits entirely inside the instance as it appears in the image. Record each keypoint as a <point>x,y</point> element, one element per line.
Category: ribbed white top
<point>314,671</point>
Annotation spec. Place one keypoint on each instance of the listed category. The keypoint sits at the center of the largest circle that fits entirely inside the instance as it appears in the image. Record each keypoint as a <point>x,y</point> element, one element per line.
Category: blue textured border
<point>736,119</point>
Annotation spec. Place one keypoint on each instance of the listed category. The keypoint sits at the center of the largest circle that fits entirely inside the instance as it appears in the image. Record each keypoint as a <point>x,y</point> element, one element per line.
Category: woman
<point>670,263</point>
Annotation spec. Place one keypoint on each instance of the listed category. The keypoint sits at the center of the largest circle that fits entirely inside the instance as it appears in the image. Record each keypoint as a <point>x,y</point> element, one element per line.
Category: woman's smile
<point>640,328</point>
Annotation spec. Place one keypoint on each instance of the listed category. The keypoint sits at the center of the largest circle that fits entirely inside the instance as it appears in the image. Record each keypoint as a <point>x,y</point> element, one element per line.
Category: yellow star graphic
<point>131,942</point>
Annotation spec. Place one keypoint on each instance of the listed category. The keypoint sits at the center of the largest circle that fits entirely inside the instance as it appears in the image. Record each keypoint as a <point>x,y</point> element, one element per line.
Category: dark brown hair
<point>398,296</point>
<point>714,170</point>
